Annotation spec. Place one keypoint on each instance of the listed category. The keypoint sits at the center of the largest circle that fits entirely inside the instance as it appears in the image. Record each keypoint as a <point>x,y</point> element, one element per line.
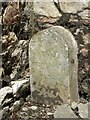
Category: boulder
<point>64,111</point>
<point>83,110</point>
<point>73,6</point>
<point>46,8</point>
<point>84,14</point>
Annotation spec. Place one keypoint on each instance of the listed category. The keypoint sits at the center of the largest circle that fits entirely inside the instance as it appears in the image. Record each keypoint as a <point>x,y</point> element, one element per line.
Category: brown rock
<point>11,14</point>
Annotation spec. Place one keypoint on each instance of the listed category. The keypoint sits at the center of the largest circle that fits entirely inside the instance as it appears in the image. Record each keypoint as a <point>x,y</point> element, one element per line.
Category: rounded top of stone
<point>58,30</point>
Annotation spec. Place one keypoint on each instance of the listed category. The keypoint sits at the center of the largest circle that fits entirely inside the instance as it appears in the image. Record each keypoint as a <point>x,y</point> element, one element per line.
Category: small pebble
<point>24,109</point>
<point>49,113</point>
<point>74,105</point>
<point>34,107</point>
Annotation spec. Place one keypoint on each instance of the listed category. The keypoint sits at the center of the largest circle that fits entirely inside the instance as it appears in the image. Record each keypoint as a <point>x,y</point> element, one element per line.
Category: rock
<point>83,110</point>
<point>9,39</point>
<point>85,86</point>
<point>22,43</point>
<point>16,52</point>
<point>24,109</point>
<point>28,98</point>
<point>4,40</point>
<point>47,20</point>
<point>73,7</point>
<point>74,105</point>
<point>1,112</point>
<point>24,115</point>
<point>84,14</point>
<point>13,74</point>
<point>19,54</point>
<point>7,102</point>
<point>53,65</point>
<point>50,113</point>
<point>5,113</point>
<point>16,106</point>
<point>84,51</point>
<point>24,57</point>
<point>64,111</point>
<point>4,92</point>
<point>12,37</point>
<point>1,72</point>
<point>20,87</point>
<point>22,100</point>
<point>34,107</point>
<point>5,109</point>
<point>86,38</point>
<point>46,8</point>
<point>6,80</point>
<point>11,14</point>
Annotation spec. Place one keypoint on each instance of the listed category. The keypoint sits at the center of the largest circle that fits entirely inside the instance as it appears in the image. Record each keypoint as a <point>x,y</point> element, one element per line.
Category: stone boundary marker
<point>53,65</point>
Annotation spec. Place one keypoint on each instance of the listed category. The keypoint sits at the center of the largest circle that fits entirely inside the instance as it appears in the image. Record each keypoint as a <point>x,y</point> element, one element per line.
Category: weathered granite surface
<point>73,6</point>
<point>18,87</point>
<point>83,110</point>
<point>3,92</point>
<point>85,14</point>
<point>53,64</point>
<point>64,111</point>
<point>49,10</point>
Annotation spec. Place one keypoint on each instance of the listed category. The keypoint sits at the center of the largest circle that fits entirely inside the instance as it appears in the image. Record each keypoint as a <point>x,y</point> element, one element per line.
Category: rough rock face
<point>3,92</point>
<point>49,10</point>
<point>19,87</point>
<point>11,14</point>
<point>53,64</point>
<point>85,14</point>
<point>83,110</point>
<point>64,111</point>
<point>72,7</point>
